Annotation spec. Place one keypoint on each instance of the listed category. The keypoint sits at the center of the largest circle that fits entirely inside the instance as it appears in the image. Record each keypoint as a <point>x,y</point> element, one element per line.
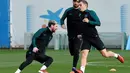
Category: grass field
<point>11,59</point>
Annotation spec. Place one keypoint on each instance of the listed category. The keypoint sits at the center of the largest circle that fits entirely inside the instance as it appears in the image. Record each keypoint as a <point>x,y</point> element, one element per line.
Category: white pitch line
<point>103,64</point>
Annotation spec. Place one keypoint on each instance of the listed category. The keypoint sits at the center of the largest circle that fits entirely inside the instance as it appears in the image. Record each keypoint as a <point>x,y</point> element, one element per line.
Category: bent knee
<point>51,59</point>
<point>84,53</point>
<point>105,53</point>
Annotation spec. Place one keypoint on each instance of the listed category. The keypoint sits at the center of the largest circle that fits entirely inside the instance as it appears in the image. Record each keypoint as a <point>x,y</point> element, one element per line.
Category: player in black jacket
<point>37,49</point>
<point>73,18</point>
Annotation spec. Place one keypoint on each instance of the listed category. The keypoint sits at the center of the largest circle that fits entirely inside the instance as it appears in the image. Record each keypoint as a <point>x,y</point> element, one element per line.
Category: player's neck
<point>50,29</point>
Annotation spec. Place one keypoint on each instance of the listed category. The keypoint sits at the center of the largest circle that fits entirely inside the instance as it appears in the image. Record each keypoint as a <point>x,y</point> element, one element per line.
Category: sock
<point>116,55</point>
<point>75,60</point>
<point>82,68</point>
<point>43,67</point>
<point>18,71</point>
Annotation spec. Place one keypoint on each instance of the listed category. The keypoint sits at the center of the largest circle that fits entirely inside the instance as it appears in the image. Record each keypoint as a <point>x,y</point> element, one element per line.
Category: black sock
<point>75,60</point>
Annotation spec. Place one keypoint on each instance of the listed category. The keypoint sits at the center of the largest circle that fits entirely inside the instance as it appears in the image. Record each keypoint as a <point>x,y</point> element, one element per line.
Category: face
<point>75,4</point>
<point>83,6</point>
<point>54,27</point>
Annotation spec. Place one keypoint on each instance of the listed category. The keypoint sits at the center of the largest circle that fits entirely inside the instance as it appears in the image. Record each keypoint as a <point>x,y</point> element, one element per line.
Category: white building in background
<point>125,18</point>
<point>30,17</point>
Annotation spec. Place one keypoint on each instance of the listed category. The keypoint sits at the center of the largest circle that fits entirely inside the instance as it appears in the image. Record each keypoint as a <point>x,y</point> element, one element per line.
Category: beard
<point>53,30</point>
<point>75,6</point>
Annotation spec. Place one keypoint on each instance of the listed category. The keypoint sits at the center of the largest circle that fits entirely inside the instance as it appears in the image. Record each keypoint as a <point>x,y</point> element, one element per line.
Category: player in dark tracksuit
<point>72,15</point>
<point>90,35</point>
<point>37,49</point>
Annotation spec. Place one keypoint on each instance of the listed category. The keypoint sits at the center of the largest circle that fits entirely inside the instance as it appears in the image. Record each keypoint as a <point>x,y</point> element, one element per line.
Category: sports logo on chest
<point>70,14</point>
<point>86,15</point>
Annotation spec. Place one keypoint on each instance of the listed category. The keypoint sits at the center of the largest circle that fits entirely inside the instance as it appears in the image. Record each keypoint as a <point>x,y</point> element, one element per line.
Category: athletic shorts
<point>92,41</point>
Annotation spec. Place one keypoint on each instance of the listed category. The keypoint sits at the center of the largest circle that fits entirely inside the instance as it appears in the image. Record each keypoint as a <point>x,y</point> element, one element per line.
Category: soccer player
<point>37,49</point>
<point>90,36</point>
<point>72,15</point>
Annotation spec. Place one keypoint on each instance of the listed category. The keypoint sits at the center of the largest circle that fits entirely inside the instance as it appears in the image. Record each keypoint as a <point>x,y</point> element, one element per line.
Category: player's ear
<point>52,26</point>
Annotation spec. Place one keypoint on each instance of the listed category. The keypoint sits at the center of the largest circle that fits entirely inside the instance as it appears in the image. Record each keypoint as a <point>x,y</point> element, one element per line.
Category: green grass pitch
<point>11,59</point>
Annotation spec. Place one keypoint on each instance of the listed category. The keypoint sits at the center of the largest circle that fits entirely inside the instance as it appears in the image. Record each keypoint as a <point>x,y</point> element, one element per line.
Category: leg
<point>96,42</point>
<point>75,61</point>
<point>75,47</point>
<point>84,55</point>
<point>72,51</point>
<point>46,60</point>
<point>71,46</point>
<point>26,63</point>
<point>29,59</point>
<point>107,54</point>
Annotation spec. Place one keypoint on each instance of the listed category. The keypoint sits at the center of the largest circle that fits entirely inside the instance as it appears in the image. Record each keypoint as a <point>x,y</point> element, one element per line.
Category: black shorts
<point>74,45</point>
<point>92,41</point>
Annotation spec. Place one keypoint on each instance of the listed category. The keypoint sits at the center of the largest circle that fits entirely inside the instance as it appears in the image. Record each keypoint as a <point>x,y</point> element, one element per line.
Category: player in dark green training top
<point>90,36</point>
<point>37,49</point>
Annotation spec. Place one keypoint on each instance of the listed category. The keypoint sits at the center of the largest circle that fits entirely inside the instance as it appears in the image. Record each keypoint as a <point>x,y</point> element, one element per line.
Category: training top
<point>73,18</point>
<point>41,39</point>
<point>89,29</point>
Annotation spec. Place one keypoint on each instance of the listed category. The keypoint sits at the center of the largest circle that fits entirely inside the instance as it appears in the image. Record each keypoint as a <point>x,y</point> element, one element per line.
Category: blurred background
<point>20,18</point>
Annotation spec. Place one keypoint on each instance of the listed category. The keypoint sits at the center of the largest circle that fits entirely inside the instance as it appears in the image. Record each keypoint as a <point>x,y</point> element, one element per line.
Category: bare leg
<point>84,55</point>
<point>108,54</point>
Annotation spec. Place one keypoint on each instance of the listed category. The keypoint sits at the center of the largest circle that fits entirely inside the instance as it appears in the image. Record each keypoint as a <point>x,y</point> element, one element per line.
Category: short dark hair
<point>51,22</point>
<point>76,0</point>
<point>85,2</point>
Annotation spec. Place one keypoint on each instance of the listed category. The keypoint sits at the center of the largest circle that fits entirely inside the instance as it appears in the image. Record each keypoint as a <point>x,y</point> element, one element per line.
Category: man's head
<point>52,24</point>
<point>83,4</point>
<point>76,3</point>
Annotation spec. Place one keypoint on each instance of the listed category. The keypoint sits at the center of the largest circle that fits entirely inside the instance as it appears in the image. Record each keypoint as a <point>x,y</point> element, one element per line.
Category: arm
<point>63,17</point>
<point>62,20</point>
<point>96,21</point>
<point>36,35</point>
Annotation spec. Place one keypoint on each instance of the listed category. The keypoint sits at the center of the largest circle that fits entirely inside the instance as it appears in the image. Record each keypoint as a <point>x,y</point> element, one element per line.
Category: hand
<point>63,26</point>
<point>79,37</point>
<point>35,49</point>
<point>86,20</point>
